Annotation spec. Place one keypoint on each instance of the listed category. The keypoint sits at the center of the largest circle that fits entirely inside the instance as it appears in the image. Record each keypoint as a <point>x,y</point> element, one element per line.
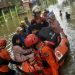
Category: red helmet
<point>30,40</point>
<point>3,42</point>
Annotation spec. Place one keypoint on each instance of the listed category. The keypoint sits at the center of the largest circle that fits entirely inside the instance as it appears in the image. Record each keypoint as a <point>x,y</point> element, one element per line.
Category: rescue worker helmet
<point>22,22</point>
<point>30,40</point>
<point>36,9</point>
<point>51,14</point>
<point>3,42</point>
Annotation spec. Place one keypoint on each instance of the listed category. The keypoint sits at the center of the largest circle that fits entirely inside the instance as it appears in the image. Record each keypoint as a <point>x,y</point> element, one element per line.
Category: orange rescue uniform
<point>4,55</point>
<point>47,53</point>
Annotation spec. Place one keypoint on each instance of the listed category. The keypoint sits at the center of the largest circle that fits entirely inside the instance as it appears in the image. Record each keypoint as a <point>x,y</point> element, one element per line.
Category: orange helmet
<point>30,40</point>
<point>3,42</point>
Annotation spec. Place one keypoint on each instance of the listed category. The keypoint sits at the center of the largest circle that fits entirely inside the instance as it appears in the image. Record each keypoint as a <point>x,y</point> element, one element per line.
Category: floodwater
<point>7,28</point>
<point>69,28</point>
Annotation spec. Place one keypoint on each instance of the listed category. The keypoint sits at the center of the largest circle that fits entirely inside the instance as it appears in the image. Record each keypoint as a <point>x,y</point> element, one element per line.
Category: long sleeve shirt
<point>20,54</point>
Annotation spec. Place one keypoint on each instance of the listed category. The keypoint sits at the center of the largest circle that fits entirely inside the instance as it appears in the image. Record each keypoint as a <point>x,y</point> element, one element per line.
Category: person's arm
<point>19,54</point>
<point>22,51</point>
<point>26,51</point>
<point>46,51</point>
<point>21,58</point>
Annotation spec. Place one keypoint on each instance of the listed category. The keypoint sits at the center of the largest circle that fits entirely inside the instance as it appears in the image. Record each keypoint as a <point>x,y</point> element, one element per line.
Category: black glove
<point>3,61</point>
<point>15,62</point>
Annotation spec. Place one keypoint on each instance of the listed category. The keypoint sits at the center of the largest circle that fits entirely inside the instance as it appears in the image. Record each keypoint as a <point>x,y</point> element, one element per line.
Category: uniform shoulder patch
<point>46,54</point>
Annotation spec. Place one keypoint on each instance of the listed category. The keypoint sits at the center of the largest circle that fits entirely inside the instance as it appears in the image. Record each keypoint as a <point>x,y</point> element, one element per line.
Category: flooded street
<point>69,29</point>
<point>68,26</point>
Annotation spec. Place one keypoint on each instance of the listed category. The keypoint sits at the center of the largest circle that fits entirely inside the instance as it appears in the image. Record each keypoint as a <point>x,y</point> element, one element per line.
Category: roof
<point>28,1</point>
<point>24,1</point>
<point>6,3</point>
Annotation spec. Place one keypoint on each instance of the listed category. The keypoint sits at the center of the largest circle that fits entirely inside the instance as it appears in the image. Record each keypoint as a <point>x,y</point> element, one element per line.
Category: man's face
<point>51,19</point>
<point>20,32</point>
<point>45,14</point>
<point>38,14</point>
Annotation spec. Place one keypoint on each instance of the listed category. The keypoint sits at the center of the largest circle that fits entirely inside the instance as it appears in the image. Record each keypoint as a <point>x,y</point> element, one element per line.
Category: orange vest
<point>5,55</point>
<point>47,53</point>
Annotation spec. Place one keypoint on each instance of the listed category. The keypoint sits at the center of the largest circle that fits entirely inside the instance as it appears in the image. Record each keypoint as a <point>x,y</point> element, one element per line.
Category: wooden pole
<point>5,19</point>
<point>11,16</point>
<point>46,3</point>
<point>4,16</point>
<point>11,13</point>
<point>17,14</point>
<point>43,4</point>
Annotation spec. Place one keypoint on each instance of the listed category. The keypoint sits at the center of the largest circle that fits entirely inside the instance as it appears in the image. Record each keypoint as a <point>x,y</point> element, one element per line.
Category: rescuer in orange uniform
<point>45,52</point>
<point>28,66</point>
<point>5,59</point>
